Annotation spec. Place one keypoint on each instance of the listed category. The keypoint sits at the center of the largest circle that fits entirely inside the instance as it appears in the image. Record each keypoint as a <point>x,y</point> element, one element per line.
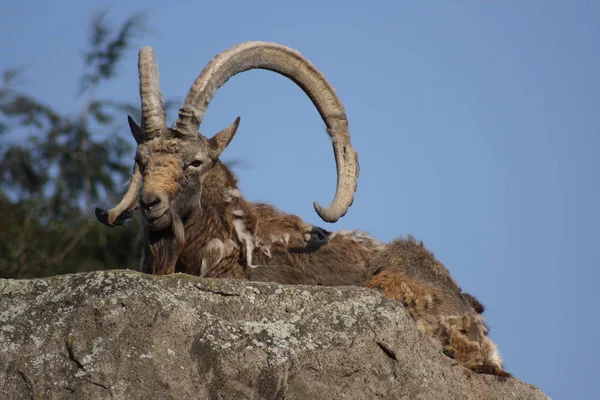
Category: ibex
<point>196,220</point>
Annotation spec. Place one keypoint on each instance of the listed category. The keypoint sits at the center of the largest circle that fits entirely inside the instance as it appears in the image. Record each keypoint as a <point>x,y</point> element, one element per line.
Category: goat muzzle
<point>158,221</point>
<point>155,208</point>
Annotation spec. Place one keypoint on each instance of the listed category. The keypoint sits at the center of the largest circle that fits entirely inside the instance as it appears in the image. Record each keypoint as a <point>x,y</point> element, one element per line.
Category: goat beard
<point>165,247</point>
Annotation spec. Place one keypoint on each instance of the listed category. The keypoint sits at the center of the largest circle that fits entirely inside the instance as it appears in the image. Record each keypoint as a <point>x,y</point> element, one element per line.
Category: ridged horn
<point>124,210</point>
<point>291,64</point>
<point>153,113</point>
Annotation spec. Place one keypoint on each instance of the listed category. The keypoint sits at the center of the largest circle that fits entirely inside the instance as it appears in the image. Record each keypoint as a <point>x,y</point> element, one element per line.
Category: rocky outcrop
<point>124,335</point>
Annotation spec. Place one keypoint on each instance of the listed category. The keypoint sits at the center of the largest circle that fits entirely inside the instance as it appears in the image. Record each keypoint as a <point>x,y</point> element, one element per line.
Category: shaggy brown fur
<point>406,271</point>
<point>477,306</point>
<point>341,259</point>
<point>196,220</point>
<point>208,228</point>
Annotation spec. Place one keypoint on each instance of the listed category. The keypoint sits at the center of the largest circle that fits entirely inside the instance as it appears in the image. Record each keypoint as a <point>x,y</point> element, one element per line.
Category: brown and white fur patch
<point>406,271</point>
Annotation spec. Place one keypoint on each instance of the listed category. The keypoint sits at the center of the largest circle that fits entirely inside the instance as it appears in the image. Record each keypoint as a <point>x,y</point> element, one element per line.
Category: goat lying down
<point>406,271</point>
<point>197,221</point>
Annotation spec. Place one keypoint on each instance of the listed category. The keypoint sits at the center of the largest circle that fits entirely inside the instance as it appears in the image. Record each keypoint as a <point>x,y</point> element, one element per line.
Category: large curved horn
<point>291,64</point>
<point>153,113</point>
<point>124,210</point>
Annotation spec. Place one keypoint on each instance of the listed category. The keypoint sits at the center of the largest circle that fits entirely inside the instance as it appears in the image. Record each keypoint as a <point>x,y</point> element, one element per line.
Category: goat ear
<point>221,140</point>
<point>473,302</point>
<point>136,130</point>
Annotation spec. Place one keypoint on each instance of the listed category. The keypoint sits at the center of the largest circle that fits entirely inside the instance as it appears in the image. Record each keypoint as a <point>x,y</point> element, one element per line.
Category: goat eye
<point>196,163</point>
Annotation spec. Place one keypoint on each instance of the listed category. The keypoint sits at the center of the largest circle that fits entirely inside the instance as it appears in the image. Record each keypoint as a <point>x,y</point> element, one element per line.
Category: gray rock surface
<point>124,335</point>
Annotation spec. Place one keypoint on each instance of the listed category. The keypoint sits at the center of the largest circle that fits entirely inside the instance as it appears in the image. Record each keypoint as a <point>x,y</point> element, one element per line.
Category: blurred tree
<point>50,179</point>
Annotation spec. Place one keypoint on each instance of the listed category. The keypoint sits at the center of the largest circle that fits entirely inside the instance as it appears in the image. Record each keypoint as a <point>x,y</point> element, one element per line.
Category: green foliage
<point>59,165</point>
<point>31,245</point>
<point>105,51</point>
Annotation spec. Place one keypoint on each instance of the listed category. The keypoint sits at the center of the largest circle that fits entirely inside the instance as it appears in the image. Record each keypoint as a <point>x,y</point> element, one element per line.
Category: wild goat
<point>196,220</point>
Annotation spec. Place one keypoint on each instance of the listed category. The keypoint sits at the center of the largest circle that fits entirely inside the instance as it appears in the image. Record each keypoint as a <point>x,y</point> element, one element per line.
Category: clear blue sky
<point>477,125</point>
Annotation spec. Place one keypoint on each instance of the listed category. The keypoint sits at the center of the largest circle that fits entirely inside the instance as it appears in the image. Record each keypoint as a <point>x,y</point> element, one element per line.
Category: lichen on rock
<point>122,334</point>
